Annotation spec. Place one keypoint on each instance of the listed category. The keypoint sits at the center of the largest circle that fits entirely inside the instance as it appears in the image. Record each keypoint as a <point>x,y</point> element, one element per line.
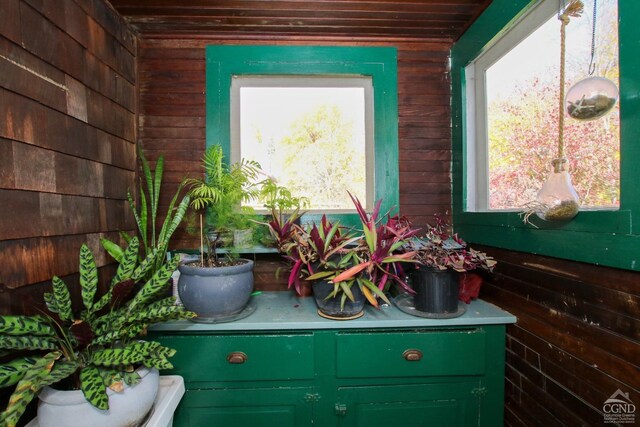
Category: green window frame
<point>599,237</point>
<point>379,63</point>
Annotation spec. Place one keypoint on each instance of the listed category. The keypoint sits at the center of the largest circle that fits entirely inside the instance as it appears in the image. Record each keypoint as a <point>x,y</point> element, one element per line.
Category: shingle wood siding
<point>67,139</point>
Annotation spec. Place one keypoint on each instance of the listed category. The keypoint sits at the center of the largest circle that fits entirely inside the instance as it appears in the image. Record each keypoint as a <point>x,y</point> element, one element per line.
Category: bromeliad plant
<point>377,260</point>
<point>370,260</point>
<point>97,348</point>
<point>314,251</point>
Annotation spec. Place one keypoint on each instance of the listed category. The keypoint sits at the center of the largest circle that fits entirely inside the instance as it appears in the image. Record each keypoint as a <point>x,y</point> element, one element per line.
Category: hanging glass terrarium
<point>557,200</point>
<point>592,97</point>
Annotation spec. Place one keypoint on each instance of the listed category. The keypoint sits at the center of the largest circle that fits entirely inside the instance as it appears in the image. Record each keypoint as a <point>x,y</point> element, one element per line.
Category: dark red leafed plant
<point>370,260</point>
<point>378,258</point>
<point>441,250</point>
<point>315,249</point>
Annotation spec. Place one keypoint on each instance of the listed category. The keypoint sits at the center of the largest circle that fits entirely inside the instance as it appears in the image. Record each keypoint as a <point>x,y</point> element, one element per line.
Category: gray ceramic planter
<point>216,292</point>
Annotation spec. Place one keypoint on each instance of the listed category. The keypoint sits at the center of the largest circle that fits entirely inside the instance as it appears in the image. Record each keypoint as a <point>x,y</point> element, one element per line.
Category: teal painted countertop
<point>286,311</point>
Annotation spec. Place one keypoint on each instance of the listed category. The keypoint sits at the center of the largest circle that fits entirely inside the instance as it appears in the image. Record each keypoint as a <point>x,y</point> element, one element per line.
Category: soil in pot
<point>330,308</point>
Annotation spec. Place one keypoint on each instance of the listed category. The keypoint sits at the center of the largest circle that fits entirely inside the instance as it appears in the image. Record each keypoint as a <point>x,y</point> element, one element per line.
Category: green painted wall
<point>606,238</point>
<point>380,63</point>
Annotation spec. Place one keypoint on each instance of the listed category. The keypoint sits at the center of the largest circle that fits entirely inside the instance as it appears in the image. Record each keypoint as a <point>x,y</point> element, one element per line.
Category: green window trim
<point>380,63</point>
<point>609,238</point>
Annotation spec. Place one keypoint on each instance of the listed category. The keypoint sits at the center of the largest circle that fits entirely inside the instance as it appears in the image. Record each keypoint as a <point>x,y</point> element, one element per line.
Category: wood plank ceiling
<point>403,19</point>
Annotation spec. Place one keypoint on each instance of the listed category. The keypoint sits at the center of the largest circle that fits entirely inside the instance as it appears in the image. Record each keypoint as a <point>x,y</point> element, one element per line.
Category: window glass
<point>311,134</point>
<point>520,129</point>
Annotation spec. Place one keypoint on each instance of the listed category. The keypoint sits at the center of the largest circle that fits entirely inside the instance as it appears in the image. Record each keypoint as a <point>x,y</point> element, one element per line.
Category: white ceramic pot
<point>69,408</point>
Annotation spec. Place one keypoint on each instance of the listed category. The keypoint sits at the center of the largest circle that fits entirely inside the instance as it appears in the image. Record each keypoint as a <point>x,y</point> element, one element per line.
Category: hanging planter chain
<point>592,64</point>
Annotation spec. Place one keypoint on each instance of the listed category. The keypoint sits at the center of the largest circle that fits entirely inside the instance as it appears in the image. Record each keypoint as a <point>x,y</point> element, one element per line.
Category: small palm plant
<point>222,189</point>
<point>100,346</point>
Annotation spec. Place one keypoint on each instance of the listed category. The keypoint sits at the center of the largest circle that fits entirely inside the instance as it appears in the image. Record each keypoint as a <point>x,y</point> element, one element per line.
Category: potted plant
<point>348,269</point>
<point>153,240</point>
<point>279,201</point>
<point>441,258</point>
<point>212,287</point>
<point>98,351</point>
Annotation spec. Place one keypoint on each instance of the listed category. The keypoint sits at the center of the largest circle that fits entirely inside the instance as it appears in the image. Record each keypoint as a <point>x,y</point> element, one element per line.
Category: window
<point>366,75</point>
<point>606,236</point>
<point>512,98</point>
<point>314,135</point>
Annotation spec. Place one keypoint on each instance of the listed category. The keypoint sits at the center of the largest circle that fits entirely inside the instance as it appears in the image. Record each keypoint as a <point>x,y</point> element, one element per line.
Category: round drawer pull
<point>236,357</point>
<point>412,355</point>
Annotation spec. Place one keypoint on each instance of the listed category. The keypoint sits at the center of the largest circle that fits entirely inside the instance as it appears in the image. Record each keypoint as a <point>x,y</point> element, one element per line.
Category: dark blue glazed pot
<point>331,307</point>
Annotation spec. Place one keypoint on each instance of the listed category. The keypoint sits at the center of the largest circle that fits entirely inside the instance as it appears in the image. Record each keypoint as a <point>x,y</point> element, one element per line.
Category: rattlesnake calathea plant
<point>97,348</point>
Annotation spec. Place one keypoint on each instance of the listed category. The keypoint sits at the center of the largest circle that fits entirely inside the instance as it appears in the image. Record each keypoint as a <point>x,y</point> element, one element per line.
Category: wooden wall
<point>576,342</point>
<point>67,138</point>
<point>172,114</point>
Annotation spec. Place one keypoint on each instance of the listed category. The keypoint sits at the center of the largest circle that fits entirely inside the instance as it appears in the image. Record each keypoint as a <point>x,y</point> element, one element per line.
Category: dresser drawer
<point>410,354</point>
<point>206,358</point>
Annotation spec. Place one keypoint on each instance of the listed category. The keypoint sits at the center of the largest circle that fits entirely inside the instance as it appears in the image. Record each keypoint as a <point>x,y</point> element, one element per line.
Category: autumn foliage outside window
<point>522,118</point>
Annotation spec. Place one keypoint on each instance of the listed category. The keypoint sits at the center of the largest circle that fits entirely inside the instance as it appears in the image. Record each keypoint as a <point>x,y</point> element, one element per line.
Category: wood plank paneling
<point>577,338</point>
<point>172,115</point>
<point>444,19</point>
<point>67,138</point>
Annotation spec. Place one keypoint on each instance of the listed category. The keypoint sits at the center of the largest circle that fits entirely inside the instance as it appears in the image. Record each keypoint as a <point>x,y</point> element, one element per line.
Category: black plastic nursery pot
<point>436,290</point>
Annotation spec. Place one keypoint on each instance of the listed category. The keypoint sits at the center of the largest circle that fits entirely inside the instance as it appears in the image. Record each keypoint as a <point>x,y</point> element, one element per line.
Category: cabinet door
<point>269,407</point>
<point>449,404</point>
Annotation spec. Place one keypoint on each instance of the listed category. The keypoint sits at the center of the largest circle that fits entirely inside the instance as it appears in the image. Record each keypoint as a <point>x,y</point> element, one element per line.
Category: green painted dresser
<point>286,366</point>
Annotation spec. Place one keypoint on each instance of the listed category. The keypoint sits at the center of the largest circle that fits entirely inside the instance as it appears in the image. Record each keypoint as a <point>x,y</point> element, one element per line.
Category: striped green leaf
<point>27,388</point>
<point>134,353</point>
<point>155,286</point>
<point>26,325</point>
<point>147,264</point>
<point>88,277</point>
<point>62,298</point>
<point>131,378</point>
<point>13,371</point>
<point>110,376</point>
<point>93,388</point>
<point>158,363</point>
<point>27,342</point>
<point>128,264</point>
<point>130,331</point>
<point>125,271</point>
<point>154,195</point>
<point>160,311</point>
<point>50,301</point>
